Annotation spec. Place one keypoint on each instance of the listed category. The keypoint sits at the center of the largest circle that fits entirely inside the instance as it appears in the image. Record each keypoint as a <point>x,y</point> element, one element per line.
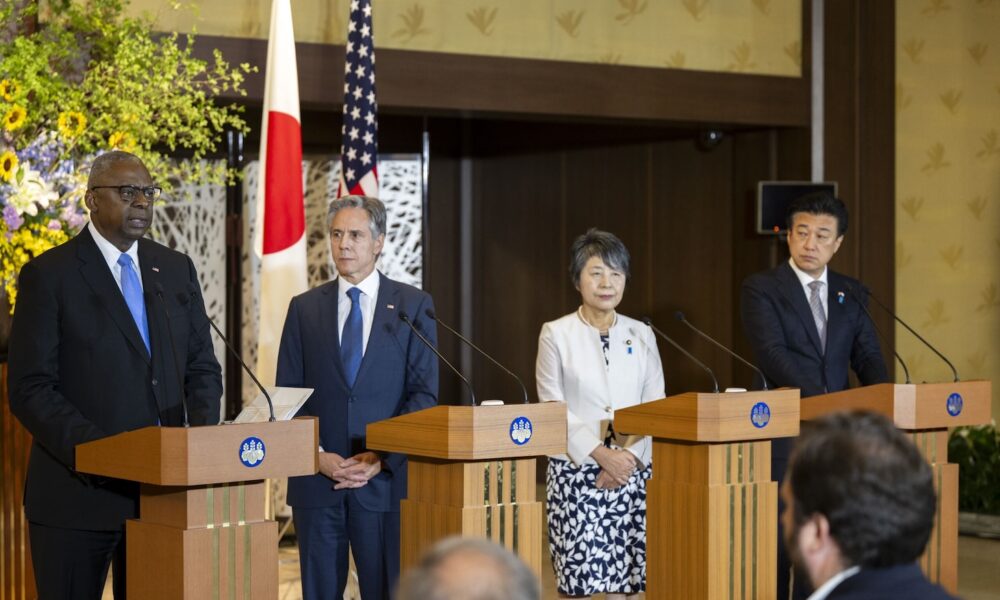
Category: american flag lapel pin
<point>156,269</point>
<point>840,297</point>
<point>391,306</point>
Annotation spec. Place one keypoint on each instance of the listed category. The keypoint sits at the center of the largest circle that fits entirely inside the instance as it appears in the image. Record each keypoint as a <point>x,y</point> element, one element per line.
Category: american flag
<point>359,133</point>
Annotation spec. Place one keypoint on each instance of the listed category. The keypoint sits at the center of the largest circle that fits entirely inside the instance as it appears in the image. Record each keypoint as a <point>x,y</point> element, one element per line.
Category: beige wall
<point>948,186</point>
<point>752,36</point>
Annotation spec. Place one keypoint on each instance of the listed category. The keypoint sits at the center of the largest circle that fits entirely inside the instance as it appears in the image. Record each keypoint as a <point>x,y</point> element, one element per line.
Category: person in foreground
<point>91,356</point>
<point>469,569</point>
<point>598,361</point>
<point>859,509</point>
<point>345,339</point>
<point>806,325</point>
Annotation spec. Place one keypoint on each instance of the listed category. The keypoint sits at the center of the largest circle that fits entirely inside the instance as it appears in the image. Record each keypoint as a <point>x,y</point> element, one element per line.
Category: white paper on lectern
<point>287,401</point>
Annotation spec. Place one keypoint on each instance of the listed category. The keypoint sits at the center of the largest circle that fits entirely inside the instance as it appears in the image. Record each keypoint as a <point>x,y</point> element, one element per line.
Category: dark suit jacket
<point>903,581</point>
<point>79,371</point>
<point>779,325</point>
<point>398,374</point>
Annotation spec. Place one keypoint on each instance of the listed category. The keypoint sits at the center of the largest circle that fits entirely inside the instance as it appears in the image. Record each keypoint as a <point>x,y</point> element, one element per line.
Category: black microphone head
<point>430,314</point>
<point>403,316</point>
<point>158,287</point>
<point>647,321</point>
<point>679,315</point>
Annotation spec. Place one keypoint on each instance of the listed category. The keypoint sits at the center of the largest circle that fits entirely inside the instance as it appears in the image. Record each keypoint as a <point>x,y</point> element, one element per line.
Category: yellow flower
<point>14,118</point>
<point>8,165</point>
<point>121,140</point>
<point>9,89</point>
<point>72,123</point>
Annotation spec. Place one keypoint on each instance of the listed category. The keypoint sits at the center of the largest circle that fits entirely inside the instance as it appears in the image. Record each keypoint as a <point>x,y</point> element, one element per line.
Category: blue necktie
<point>132,290</point>
<point>351,344</point>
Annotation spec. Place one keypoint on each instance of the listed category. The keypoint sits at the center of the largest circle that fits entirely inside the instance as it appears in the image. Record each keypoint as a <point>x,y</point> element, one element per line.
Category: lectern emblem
<point>520,431</point>
<point>760,415</point>
<point>252,452</point>
<point>954,404</point>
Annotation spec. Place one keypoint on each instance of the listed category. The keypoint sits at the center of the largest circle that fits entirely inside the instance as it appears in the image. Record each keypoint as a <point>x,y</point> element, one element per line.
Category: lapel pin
<point>391,306</point>
<point>840,297</point>
<point>156,269</point>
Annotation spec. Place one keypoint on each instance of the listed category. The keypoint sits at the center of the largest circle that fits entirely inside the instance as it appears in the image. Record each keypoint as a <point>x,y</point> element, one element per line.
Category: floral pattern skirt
<point>597,537</point>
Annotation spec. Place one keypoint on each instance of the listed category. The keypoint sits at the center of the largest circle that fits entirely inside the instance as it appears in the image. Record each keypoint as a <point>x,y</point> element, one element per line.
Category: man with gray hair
<point>470,569</point>
<point>346,339</point>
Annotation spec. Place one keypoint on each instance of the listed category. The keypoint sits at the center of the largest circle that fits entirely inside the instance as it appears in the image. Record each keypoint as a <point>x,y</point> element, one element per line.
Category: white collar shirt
<point>111,254</point>
<point>805,279</point>
<point>831,584</point>
<point>368,297</point>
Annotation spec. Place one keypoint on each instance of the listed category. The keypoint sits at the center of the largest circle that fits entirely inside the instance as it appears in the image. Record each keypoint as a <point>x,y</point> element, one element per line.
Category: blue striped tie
<point>132,290</point>
<point>351,343</point>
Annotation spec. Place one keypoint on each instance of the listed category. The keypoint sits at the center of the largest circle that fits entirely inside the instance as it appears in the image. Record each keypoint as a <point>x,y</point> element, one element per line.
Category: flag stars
<point>370,118</point>
<point>354,133</point>
<point>352,153</point>
<point>368,138</point>
<point>355,112</point>
<point>357,93</point>
<point>366,159</point>
<point>366,31</point>
<point>349,174</point>
<point>360,71</point>
<point>350,45</point>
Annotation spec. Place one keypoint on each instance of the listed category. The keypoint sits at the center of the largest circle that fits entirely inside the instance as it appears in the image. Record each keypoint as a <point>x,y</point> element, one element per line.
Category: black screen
<point>773,198</point>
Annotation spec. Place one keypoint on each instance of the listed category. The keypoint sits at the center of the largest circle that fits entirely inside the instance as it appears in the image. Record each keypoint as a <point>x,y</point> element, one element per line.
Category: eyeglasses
<point>129,193</point>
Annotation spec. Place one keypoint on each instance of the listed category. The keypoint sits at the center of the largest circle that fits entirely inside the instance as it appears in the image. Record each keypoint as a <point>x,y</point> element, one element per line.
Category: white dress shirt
<point>111,254</point>
<point>367,299</point>
<point>805,279</point>
<point>571,368</point>
<point>831,584</point>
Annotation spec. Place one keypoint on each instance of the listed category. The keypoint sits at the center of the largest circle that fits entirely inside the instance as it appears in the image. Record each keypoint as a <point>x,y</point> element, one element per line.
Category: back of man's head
<point>469,569</point>
<point>871,484</point>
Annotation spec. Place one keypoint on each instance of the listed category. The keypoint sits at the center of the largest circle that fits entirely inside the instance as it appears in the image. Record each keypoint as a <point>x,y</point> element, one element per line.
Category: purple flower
<point>13,220</point>
<point>55,225</point>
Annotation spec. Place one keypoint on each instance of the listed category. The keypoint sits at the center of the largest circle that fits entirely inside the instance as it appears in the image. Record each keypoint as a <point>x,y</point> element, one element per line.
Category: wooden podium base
<point>207,542</point>
<point>940,558</point>
<point>711,521</point>
<point>493,499</point>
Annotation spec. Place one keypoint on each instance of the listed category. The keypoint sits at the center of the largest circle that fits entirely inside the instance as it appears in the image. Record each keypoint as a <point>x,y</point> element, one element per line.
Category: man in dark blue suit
<point>109,334</point>
<point>346,340</point>
<point>859,509</point>
<point>806,325</point>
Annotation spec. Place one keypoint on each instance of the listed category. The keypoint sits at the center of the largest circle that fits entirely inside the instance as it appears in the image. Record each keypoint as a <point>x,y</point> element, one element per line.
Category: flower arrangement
<point>88,79</point>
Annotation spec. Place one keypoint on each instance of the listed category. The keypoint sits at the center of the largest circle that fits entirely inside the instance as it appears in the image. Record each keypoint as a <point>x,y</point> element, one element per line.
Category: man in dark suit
<point>806,325</point>
<point>91,356</point>
<point>859,509</point>
<point>346,340</point>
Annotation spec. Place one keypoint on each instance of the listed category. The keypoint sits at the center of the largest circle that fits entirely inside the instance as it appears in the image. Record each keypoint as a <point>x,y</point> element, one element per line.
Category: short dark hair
<point>869,481</point>
<point>598,243</point>
<point>819,203</point>
<point>490,572</point>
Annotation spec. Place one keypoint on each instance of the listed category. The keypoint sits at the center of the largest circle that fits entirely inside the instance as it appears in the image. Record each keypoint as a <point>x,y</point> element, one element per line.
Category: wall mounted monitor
<point>773,198</point>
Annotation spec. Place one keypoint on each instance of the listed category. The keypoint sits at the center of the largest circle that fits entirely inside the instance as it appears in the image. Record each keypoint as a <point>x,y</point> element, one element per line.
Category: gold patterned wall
<point>948,186</point>
<point>751,36</point>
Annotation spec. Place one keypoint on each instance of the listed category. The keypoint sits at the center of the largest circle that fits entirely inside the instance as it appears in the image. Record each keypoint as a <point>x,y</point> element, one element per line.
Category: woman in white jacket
<point>598,361</point>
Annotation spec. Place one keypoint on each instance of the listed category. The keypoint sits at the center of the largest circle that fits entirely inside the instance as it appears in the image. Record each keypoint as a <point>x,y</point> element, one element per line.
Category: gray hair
<point>105,162</point>
<point>484,571</point>
<point>373,206</point>
<point>598,243</point>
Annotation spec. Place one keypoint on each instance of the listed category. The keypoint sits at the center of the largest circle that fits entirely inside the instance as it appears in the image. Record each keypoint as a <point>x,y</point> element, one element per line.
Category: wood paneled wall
<point>16,580</point>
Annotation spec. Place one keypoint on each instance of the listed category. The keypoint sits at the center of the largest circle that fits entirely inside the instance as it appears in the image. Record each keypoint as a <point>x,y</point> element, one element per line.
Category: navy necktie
<point>132,290</point>
<point>351,342</point>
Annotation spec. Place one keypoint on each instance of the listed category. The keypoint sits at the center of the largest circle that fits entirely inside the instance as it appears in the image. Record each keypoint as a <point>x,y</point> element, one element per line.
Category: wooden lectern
<point>711,507</point>
<point>202,531</point>
<point>472,473</point>
<point>925,411</point>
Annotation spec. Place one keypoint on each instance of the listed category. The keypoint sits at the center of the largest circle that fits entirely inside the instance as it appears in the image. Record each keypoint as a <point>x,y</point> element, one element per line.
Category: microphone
<point>406,319</point>
<point>679,315</point>
<point>430,314</point>
<point>715,382</point>
<point>954,371</point>
<point>878,331</point>
<point>184,299</point>
<point>158,287</point>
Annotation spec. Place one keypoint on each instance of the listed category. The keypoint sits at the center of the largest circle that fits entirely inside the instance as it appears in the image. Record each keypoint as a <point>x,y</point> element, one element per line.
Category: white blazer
<point>570,368</point>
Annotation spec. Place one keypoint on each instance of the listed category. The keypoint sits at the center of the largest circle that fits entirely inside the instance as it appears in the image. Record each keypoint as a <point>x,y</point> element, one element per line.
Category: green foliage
<point>135,90</point>
<point>976,450</point>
